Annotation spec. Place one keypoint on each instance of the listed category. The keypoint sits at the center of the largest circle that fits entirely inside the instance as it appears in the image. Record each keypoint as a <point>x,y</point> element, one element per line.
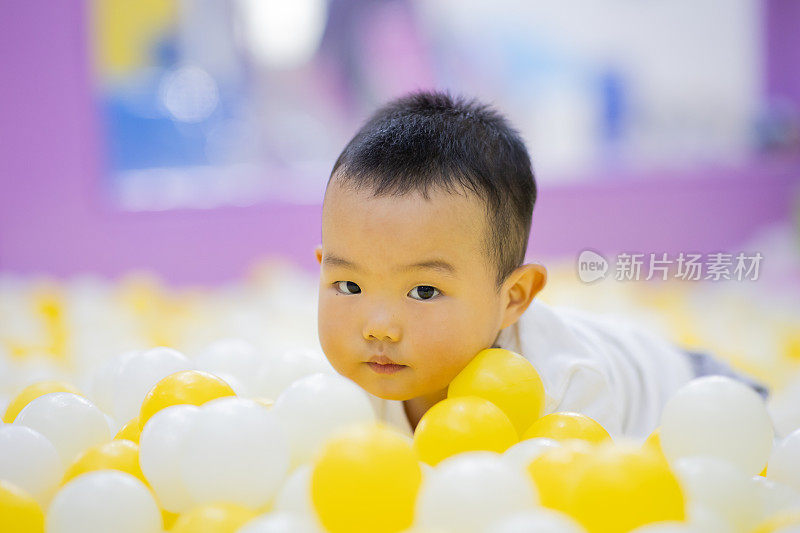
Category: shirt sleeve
<point>580,385</point>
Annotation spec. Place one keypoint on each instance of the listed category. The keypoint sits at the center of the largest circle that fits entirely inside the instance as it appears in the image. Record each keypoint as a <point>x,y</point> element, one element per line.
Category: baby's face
<point>433,317</point>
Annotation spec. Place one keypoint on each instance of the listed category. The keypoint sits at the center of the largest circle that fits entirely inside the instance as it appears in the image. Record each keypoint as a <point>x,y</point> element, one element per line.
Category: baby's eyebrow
<point>432,264</point>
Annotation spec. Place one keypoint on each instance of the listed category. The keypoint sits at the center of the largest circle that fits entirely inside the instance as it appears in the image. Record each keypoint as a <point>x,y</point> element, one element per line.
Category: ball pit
<point>241,425</point>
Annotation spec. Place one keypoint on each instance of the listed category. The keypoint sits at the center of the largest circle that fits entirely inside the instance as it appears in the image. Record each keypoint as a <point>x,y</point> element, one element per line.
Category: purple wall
<point>783,49</point>
<point>53,219</point>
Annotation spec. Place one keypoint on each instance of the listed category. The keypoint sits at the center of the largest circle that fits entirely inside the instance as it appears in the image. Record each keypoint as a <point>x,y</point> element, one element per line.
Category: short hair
<point>427,140</point>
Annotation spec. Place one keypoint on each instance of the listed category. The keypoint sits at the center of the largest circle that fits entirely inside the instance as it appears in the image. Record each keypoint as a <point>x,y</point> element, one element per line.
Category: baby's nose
<point>382,327</point>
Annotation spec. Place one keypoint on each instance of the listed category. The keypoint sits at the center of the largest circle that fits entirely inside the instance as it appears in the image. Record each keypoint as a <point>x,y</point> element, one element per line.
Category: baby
<point>425,225</point>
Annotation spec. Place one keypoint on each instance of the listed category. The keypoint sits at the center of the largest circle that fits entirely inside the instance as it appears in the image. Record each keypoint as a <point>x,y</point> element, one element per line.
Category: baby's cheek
<point>333,334</point>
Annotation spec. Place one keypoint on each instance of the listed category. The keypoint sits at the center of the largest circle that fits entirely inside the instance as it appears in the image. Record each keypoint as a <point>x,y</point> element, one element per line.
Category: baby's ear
<point>318,253</point>
<point>524,283</point>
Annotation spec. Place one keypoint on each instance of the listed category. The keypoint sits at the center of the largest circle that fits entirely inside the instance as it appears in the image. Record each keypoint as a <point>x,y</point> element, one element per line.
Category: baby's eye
<point>348,287</point>
<point>423,292</point>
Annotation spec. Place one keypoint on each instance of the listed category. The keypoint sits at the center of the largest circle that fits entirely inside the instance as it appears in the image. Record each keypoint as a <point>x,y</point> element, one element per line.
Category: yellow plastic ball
<point>557,472</point>
<point>19,512</point>
<point>623,487</point>
<point>462,424</point>
<point>187,387</point>
<point>216,518</point>
<point>30,393</point>
<point>365,480</point>
<point>122,455</point>
<point>169,519</point>
<point>565,426</point>
<point>506,379</point>
<point>653,441</point>
<point>777,523</point>
<point>130,431</point>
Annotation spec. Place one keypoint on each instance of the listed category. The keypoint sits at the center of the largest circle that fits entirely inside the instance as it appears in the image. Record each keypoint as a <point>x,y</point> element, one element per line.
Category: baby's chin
<point>386,391</point>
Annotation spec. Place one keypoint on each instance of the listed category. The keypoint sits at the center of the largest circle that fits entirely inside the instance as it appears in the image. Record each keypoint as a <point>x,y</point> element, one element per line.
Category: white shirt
<point>611,370</point>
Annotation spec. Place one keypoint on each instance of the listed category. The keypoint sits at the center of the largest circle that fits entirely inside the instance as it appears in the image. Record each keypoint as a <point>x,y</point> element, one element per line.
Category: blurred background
<point>162,162</point>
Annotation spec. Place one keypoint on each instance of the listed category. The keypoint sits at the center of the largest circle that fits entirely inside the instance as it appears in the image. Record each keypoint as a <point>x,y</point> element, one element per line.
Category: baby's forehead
<point>388,233</point>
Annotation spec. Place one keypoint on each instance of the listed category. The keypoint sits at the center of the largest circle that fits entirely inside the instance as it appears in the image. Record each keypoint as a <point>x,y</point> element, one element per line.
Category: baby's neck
<point>416,407</point>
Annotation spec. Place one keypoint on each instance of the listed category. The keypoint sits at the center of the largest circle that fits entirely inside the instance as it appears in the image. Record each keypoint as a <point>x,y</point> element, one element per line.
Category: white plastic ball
<point>279,371</point>
<point>160,450</point>
<point>524,452</point>
<point>535,520</point>
<point>294,495</point>
<point>466,492</point>
<point>234,451</point>
<point>138,374</point>
<point>776,497</point>
<point>720,486</point>
<point>30,461</point>
<point>721,417</point>
<point>101,502</point>
<point>235,358</point>
<point>70,422</point>
<point>784,463</point>
<point>280,522</point>
<point>314,407</point>
<point>706,520</point>
<point>102,380</point>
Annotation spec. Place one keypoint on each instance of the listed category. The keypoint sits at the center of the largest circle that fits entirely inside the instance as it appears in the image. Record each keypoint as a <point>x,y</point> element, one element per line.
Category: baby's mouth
<point>383,365</point>
<point>388,368</point>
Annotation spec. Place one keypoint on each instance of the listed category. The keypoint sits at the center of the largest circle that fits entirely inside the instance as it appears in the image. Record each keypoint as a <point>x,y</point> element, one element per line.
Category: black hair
<point>430,139</point>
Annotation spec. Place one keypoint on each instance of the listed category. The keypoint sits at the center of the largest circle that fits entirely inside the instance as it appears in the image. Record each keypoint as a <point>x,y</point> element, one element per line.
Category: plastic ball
<point>717,416</point>
<point>538,521</point>
<point>467,492</point>
<point>524,452</point>
<point>215,518</point>
<point>130,431</point>
<point>653,441</point>
<point>30,461</point>
<point>784,463</point>
<point>557,472</point>
<point>30,393</point>
<point>266,402</point>
<point>19,511</point>
<point>122,455</point>
<point>279,371</point>
<point>366,479</point>
<point>103,501</point>
<point>720,486</point>
<point>703,519</point>
<point>314,407</point>
<point>232,357</point>
<point>670,526</point>
<point>622,487</point>
<point>281,523</point>
<point>462,424</point>
<point>160,452</point>
<point>234,451</point>
<point>786,522</point>
<point>70,422</point>
<point>294,495</point>
<point>506,379</point>
<point>138,374</point>
<point>775,497</point>
<point>191,387</point>
<point>102,380</point>
<point>563,426</point>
